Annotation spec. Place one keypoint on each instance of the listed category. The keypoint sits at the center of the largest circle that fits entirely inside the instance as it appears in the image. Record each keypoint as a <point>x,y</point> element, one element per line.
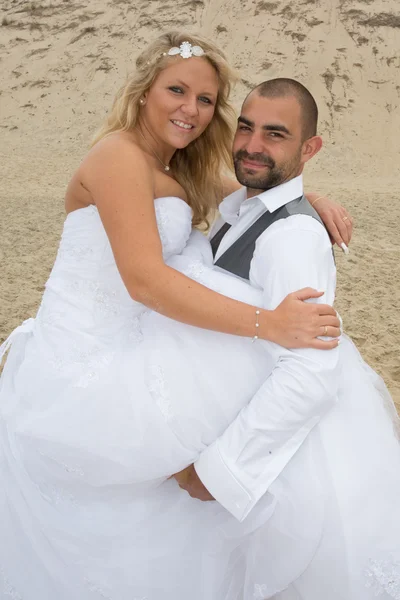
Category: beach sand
<point>62,62</point>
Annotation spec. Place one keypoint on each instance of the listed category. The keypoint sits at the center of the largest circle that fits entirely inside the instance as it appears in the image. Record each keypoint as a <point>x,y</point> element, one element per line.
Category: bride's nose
<point>190,107</point>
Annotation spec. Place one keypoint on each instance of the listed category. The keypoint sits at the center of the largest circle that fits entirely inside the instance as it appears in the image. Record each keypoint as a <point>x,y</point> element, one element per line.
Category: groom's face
<point>267,149</point>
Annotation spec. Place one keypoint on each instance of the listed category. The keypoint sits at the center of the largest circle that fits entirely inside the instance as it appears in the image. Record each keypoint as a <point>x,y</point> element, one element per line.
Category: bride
<point>132,368</point>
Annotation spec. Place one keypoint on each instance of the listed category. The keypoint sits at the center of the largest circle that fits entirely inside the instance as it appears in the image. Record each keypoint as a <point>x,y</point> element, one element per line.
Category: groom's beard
<point>272,176</point>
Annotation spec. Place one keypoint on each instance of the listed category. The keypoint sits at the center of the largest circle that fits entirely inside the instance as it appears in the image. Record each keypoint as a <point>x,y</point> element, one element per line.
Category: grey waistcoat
<point>238,256</point>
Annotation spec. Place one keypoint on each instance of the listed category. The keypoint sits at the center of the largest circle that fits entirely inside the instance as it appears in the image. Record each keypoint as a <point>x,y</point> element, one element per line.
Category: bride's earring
<point>141,101</point>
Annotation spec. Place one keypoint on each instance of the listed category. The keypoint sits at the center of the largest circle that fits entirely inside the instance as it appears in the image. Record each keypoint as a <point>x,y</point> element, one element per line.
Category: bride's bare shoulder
<point>116,144</point>
<point>115,157</point>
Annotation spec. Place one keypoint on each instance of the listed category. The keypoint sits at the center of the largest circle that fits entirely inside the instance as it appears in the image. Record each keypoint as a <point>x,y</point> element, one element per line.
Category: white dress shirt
<point>291,254</point>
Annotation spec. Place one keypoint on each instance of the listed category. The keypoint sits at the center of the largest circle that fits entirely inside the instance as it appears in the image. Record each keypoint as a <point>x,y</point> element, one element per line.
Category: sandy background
<point>62,61</point>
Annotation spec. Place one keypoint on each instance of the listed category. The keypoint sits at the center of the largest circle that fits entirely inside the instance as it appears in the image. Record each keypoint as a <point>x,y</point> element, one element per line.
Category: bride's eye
<point>205,99</point>
<point>176,89</point>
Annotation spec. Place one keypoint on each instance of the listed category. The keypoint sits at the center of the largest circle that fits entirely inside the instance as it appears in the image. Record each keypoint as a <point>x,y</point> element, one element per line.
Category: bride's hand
<point>336,218</point>
<point>298,324</point>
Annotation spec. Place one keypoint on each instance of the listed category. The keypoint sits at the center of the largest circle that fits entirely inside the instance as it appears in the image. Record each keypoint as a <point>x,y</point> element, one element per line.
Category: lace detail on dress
<point>96,588</point>
<point>49,317</point>
<point>260,591</point>
<point>105,301</point>
<point>90,363</point>
<point>135,334</point>
<point>7,588</point>
<point>174,232</point>
<point>97,363</point>
<point>195,270</point>
<point>159,391</point>
<point>69,249</point>
<point>162,214</point>
<point>68,468</point>
<point>56,495</point>
<point>383,577</point>
<point>99,589</point>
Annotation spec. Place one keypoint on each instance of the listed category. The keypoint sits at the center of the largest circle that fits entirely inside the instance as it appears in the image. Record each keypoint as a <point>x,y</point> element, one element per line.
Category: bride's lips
<point>182,125</point>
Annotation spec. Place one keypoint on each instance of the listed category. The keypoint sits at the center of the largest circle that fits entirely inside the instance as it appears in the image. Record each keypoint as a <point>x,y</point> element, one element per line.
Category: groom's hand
<point>189,481</point>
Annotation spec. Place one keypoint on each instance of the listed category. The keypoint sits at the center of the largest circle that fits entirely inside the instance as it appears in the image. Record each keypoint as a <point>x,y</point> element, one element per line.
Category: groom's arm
<point>241,465</point>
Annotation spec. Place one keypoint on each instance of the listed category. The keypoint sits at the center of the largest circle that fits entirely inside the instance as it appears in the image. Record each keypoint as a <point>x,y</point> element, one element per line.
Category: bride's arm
<point>121,185</point>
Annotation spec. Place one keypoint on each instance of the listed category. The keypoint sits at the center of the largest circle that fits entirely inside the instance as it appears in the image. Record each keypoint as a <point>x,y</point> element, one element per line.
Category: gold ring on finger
<point>345,218</point>
<point>326,331</point>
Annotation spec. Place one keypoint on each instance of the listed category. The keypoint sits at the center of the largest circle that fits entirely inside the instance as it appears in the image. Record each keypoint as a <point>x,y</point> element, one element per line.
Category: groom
<point>273,237</point>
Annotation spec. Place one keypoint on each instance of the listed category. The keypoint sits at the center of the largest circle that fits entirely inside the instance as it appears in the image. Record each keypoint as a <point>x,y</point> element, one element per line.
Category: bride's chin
<point>181,144</point>
<point>182,140</point>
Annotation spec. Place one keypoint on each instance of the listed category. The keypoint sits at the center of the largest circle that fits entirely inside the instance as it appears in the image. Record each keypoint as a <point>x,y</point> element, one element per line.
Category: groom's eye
<point>244,128</point>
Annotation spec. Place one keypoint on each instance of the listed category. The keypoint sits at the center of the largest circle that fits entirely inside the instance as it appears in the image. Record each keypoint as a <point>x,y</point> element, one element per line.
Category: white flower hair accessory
<point>185,50</point>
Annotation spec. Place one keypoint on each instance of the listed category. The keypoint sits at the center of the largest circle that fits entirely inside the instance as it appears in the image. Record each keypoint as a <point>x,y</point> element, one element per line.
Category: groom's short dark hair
<point>283,87</point>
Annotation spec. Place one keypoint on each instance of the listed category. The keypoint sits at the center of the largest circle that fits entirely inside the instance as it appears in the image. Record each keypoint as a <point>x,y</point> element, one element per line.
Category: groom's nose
<point>255,143</point>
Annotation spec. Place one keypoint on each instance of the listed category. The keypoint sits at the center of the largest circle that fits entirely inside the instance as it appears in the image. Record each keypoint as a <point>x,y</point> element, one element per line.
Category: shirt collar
<point>276,197</point>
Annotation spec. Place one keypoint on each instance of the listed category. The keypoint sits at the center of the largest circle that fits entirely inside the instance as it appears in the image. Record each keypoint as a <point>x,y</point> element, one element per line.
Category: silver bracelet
<point>257,325</point>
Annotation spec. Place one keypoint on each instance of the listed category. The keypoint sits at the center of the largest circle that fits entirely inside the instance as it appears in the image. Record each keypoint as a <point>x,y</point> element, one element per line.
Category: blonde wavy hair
<point>200,166</point>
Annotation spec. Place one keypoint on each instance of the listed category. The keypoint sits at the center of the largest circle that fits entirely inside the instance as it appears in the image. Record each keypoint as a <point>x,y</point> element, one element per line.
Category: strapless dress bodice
<point>85,287</point>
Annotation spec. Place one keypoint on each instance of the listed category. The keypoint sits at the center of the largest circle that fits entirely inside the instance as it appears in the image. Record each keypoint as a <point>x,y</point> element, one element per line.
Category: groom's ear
<point>311,147</point>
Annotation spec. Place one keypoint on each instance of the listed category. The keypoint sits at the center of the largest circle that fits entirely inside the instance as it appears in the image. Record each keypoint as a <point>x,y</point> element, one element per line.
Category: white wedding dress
<point>101,400</point>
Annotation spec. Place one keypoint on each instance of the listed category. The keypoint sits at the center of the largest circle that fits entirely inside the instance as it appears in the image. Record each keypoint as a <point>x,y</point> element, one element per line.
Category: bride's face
<point>181,102</point>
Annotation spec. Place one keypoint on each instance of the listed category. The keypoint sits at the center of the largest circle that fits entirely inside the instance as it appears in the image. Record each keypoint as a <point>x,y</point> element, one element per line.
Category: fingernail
<point>344,248</point>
